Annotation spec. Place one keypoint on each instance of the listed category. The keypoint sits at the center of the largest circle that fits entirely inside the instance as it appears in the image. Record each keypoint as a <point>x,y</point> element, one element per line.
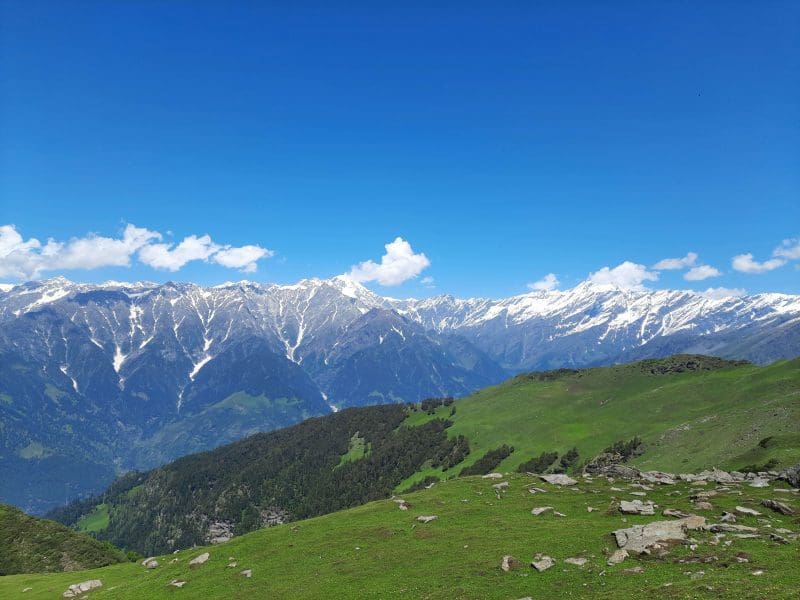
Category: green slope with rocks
<point>690,413</point>
<point>380,551</point>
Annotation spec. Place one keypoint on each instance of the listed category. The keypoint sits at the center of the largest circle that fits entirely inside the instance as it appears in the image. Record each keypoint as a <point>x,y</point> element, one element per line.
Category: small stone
<point>246,573</point>
<point>703,505</point>
<point>578,562</point>
<point>177,583</point>
<point>633,571</point>
<point>638,493</point>
<point>500,486</point>
<point>493,476</point>
<point>559,514</point>
<point>540,510</point>
<point>590,509</point>
<point>508,562</point>
<point>542,564</point>
<point>617,557</point>
<point>427,519</point>
<point>780,507</point>
<point>757,573</point>
<point>559,479</point>
<point>78,589</point>
<point>231,565</point>
<point>151,564</point>
<point>747,512</point>
<point>199,560</point>
<point>728,517</point>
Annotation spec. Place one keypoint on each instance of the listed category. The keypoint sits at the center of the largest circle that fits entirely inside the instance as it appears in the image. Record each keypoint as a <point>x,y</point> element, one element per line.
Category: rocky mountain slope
<point>95,379</point>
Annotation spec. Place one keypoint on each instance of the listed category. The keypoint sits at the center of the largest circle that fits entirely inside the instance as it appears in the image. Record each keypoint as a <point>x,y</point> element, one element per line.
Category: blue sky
<point>504,141</point>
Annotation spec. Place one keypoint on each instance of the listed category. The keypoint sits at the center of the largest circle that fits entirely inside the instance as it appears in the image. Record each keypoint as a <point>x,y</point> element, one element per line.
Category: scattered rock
<point>670,512</point>
<point>780,507</point>
<point>636,507</point>
<point>640,539</point>
<point>542,563</point>
<point>508,563</point>
<point>731,528</point>
<point>702,505</point>
<point>590,509</point>
<point>178,583</point>
<point>151,564</point>
<point>427,519</point>
<point>747,512</point>
<point>558,479</point>
<point>246,573</point>
<point>757,573</point>
<point>231,565</point>
<point>728,517</point>
<point>493,476</point>
<point>777,538</point>
<point>500,486</point>
<point>28,589</point>
<point>559,514</point>
<point>638,493</point>
<point>759,482</point>
<point>578,562</point>
<point>199,560</point>
<point>658,477</point>
<point>539,510</point>
<point>633,571</point>
<point>617,557</point>
<point>537,490</point>
<point>78,589</point>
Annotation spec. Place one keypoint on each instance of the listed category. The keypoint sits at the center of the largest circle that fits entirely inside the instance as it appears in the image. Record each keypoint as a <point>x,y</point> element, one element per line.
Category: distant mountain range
<point>97,379</point>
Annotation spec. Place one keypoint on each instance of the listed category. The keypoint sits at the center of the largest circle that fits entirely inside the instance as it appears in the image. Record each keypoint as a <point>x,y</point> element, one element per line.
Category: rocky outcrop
<point>777,506</point>
<point>79,589</point>
<point>791,475</point>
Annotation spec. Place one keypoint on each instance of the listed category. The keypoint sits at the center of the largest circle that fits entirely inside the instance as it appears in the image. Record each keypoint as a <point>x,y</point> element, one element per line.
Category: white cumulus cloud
<point>719,293</point>
<point>744,263</point>
<point>668,264</point>
<point>546,283</point>
<point>399,264</point>
<point>243,258</point>
<point>701,272</point>
<point>789,249</point>
<point>28,259</point>
<point>628,276</point>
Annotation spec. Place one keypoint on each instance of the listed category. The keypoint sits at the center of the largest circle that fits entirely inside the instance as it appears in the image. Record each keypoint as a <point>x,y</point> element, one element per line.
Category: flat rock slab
<point>539,510</point>
<point>558,479</point>
<point>493,476</point>
<point>199,560</point>
<point>640,539</point>
<point>427,518</point>
<point>578,562</point>
<point>636,507</point>
<point>747,512</point>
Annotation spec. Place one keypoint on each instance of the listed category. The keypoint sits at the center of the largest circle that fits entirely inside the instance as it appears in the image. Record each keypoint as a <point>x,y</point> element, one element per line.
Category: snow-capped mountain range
<point>123,375</point>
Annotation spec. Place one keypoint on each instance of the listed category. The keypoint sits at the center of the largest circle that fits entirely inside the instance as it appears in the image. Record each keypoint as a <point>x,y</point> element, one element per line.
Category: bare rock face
<point>558,479</point>
<point>777,506</point>
<point>219,531</point>
<point>640,539</point>
<point>199,560</point>
<point>791,475</point>
<point>637,507</point>
<point>79,589</point>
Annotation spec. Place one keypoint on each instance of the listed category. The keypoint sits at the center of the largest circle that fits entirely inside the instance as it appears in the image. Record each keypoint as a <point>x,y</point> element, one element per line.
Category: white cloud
<point>669,264</point>
<point>397,265</point>
<point>719,293</point>
<point>164,256</point>
<point>243,258</point>
<point>546,283</point>
<point>628,275</point>
<point>701,272</point>
<point>744,263</point>
<point>427,281</point>
<point>27,259</point>
<point>789,249</point>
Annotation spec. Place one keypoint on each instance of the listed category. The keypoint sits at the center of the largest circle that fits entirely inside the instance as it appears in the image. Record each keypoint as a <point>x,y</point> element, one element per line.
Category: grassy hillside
<point>691,413</point>
<point>377,551</point>
<point>30,545</point>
